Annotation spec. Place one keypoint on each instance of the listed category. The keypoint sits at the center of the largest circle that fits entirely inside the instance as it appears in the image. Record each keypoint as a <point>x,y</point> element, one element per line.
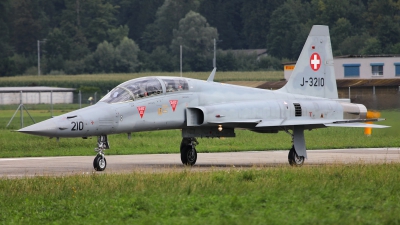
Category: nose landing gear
<point>99,162</point>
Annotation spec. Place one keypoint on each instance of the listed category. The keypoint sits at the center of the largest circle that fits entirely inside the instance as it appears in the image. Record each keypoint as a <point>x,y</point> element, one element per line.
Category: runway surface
<point>69,165</point>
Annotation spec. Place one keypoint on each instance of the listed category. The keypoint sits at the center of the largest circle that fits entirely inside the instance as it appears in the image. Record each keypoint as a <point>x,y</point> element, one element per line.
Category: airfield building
<point>35,95</point>
<point>370,67</point>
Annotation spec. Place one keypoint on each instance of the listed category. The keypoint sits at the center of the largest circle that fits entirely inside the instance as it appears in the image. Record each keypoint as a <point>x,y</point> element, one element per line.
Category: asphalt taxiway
<point>69,165</point>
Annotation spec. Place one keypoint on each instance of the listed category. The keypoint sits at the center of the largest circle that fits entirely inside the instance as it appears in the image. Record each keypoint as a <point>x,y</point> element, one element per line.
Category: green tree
<point>104,58</point>
<point>226,17</point>
<point>256,16</point>
<point>388,33</point>
<point>383,22</point>
<point>25,28</point>
<point>127,56</point>
<point>5,47</point>
<point>395,49</point>
<point>167,18</point>
<point>89,21</point>
<point>226,61</point>
<point>352,45</point>
<point>117,34</point>
<point>196,37</point>
<point>372,47</point>
<point>57,43</point>
<point>284,28</point>
<point>137,14</point>
<point>160,59</point>
<point>269,63</point>
<point>329,11</point>
<point>340,31</point>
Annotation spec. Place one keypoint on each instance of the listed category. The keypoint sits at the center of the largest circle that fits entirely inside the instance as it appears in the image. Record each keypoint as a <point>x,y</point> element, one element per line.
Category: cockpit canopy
<point>139,88</point>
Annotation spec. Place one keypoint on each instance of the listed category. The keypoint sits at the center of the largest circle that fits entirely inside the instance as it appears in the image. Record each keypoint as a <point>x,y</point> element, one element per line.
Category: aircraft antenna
<point>215,54</point>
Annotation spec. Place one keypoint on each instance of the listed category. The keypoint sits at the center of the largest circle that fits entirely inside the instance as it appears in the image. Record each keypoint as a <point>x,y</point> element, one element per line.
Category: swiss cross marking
<point>315,61</point>
<point>173,104</point>
<point>141,110</point>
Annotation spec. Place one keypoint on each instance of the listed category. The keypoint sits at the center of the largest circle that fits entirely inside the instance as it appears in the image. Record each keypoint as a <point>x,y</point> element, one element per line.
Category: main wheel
<point>99,163</point>
<point>188,155</point>
<point>294,159</point>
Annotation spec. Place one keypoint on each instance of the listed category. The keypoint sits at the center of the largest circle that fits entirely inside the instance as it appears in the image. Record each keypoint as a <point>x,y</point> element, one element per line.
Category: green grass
<point>335,194</point>
<point>15,144</point>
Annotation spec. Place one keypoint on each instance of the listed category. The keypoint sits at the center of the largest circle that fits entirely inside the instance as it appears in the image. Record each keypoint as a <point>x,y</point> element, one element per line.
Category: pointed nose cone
<point>46,128</point>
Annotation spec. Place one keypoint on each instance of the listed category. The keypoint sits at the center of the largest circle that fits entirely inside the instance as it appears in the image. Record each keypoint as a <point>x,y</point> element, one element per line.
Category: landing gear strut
<point>188,151</point>
<point>99,162</point>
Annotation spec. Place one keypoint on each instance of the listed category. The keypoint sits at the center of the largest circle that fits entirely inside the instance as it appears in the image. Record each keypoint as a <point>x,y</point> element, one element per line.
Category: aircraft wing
<point>328,123</point>
<point>248,121</point>
<point>259,123</point>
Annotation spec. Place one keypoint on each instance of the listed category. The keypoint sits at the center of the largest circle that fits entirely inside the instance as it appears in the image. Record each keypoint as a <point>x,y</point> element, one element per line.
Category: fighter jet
<point>210,109</point>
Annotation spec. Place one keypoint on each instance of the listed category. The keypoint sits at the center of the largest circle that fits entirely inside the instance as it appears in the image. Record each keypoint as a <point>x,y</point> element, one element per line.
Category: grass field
<point>15,144</point>
<point>334,194</point>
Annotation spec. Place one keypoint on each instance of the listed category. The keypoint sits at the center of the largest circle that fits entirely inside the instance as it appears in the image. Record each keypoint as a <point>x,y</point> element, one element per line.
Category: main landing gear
<point>294,159</point>
<point>99,162</point>
<point>188,151</point>
<point>298,150</point>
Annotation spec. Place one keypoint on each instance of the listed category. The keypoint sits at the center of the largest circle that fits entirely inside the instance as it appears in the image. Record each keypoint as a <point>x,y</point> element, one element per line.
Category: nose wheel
<point>100,162</point>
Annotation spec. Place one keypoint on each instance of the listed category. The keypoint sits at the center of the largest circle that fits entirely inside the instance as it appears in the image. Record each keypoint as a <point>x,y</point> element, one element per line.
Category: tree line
<point>122,36</point>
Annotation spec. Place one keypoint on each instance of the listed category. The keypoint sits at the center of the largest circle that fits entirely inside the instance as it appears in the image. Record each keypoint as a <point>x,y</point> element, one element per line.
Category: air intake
<point>297,109</point>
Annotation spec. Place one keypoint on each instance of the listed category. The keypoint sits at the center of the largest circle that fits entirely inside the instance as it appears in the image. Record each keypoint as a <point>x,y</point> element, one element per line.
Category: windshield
<point>133,90</point>
<point>117,95</point>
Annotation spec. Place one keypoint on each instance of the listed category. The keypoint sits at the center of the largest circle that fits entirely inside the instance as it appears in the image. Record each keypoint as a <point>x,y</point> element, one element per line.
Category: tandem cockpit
<point>146,87</point>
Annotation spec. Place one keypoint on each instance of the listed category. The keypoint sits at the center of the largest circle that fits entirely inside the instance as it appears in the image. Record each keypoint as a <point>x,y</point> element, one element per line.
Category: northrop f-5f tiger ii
<point>200,108</point>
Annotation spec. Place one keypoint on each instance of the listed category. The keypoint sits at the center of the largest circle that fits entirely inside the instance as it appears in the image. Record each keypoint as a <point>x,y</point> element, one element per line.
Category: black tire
<point>294,159</point>
<point>188,155</point>
<point>99,163</point>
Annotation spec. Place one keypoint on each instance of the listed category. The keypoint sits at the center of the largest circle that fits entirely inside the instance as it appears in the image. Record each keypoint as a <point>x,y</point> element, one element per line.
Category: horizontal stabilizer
<point>360,125</point>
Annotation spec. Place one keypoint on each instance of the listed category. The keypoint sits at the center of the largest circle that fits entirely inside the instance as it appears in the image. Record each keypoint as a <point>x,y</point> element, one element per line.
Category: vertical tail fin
<point>314,74</point>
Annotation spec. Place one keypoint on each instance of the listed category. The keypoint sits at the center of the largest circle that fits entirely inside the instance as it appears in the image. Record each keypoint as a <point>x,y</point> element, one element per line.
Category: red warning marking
<point>173,104</point>
<point>315,61</point>
<point>141,110</point>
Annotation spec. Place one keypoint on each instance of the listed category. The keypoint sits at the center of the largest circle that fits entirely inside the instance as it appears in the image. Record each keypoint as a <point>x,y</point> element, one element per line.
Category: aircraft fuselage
<point>211,103</point>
